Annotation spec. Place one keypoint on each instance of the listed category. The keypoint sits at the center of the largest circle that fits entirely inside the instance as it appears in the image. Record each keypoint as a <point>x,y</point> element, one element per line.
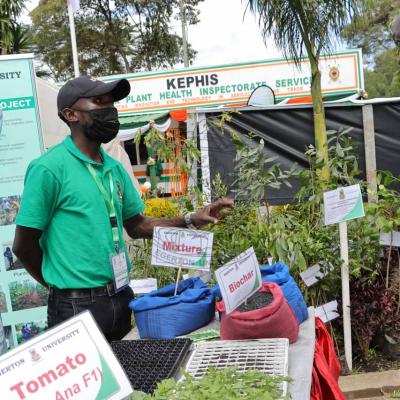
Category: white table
<point>301,355</point>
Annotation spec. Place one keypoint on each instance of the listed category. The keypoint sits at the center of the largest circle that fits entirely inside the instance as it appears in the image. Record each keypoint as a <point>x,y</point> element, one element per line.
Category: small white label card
<point>182,248</point>
<point>142,286</point>
<point>315,273</point>
<point>239,279</point>
<point>205,276</point>
<point>343,204</point>
<point>71,360</point>
<point>328,311</point>
<point>390,239</point>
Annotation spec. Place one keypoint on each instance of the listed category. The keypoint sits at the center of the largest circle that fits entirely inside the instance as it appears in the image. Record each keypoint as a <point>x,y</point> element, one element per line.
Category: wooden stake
<point>177,280</point>
<point>344,255</point>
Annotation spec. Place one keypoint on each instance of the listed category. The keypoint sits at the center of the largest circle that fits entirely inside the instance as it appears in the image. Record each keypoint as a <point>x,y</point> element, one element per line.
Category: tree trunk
<point>319,118</point>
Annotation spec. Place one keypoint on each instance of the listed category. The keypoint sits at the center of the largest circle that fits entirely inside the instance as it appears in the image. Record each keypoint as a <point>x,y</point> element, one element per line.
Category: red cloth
<point>179,115</point>
<point>276,320</point>
<point>326,370</point>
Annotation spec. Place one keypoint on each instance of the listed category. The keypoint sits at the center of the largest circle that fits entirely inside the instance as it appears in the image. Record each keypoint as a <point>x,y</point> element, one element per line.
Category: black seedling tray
<point>148,362</point>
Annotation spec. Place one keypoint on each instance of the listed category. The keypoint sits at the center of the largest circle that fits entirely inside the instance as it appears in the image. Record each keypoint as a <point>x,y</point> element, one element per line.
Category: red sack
<point>276,320</point>
<point>326,370</point>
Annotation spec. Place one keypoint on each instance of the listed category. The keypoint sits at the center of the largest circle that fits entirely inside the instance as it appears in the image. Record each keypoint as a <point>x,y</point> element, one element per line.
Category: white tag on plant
<point>205,276</point>
<point>270,260</point>
<point>313,274</point>
<point>328,311</point>
<point>390,239</point>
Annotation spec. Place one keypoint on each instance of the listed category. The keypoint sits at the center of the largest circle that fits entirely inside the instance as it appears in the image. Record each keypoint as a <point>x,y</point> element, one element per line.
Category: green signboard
<point>22,300</point>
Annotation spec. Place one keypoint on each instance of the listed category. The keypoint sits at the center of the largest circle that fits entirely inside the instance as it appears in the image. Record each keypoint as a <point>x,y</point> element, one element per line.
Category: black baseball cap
<point>84,87</point>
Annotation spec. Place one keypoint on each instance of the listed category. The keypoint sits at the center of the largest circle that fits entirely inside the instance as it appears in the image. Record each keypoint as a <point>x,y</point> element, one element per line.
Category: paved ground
<point>369,386</point>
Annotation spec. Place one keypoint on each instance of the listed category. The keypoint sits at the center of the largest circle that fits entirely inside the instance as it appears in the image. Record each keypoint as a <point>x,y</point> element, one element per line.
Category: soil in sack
<point>256,301</point>
<point>267,315</point>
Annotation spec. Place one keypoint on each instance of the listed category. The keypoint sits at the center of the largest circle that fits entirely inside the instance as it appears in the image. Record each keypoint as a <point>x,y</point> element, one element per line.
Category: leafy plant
<point>253,178</point>
<point>219,384</point>
<point>163,149</point>
<point>386,212</point>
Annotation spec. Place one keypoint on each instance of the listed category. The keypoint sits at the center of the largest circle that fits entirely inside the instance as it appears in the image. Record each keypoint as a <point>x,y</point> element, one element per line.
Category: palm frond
<point>304,26</point>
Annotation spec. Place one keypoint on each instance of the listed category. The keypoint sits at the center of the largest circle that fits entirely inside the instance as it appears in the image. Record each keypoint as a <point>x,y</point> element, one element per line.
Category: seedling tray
<point>266,355</point>
<point>148,362</point>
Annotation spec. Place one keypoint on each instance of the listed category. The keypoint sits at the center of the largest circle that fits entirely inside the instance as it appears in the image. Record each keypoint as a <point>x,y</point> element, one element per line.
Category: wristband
<point>188,220</point>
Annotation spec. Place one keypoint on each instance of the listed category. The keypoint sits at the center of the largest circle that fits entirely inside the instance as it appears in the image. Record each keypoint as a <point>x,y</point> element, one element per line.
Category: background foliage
<point>372,31</point>
<point>113,37</point>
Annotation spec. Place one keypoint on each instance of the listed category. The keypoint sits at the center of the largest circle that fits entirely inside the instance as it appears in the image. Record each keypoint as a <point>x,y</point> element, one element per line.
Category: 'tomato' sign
<point>71,361</point>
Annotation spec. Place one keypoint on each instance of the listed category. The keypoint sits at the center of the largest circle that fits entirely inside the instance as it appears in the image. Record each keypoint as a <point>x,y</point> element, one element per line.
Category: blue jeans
<point>109,309</point>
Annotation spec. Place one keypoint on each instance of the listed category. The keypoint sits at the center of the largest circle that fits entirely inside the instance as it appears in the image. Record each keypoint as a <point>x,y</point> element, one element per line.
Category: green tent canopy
<point>137,121</point>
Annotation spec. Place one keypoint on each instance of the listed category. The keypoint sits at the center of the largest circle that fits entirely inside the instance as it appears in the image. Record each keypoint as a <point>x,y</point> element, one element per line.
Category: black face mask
<point>104,126</point>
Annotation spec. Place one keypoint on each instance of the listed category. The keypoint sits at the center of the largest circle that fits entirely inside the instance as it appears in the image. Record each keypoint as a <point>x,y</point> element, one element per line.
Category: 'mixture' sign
<point>182,248</point>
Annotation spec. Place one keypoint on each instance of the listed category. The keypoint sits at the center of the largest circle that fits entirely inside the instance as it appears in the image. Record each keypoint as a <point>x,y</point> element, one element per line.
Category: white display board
<point>239,279</point>
<point>72,360</point>
<point>343,204</point>
<point>23,301</point>
<point>182,248</point>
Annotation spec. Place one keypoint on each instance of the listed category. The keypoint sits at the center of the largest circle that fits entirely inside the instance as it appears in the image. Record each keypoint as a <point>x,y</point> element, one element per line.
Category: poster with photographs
<point>22,300</point>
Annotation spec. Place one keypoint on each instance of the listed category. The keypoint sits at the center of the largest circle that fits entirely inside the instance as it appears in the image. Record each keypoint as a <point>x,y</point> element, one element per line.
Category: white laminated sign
<point>239,279</point>
<point>182,248</point>
<point>343,204</point>
<point>72,360</point>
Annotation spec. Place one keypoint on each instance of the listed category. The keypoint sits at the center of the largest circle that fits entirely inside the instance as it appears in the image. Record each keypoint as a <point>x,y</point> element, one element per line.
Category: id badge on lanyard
<point>119,265</point>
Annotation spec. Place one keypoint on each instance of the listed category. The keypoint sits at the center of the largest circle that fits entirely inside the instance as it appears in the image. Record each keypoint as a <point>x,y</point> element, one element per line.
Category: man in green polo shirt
<point>76,201</point>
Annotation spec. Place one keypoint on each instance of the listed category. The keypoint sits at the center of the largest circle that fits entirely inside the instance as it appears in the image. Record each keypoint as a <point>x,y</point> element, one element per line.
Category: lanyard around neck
<point>109,201</point>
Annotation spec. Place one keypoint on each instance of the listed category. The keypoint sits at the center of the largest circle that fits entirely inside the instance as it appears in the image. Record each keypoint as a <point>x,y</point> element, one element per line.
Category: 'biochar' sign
<point>239,279</point>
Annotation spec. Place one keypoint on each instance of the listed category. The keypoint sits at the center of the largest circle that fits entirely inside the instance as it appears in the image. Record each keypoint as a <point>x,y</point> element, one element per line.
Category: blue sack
<point>161,315</point>
<point>279,273</point>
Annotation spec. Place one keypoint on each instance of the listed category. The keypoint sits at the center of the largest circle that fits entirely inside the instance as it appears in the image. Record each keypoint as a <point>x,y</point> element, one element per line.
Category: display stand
<point>301,355</point>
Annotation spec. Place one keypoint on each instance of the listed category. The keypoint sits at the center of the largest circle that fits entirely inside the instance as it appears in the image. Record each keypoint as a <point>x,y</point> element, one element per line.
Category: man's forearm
<point>144,229</point>
<point>32,262</point>
<point>140,226</point>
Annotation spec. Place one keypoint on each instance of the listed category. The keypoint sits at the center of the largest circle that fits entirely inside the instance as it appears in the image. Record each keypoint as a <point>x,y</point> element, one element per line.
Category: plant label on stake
<point>239,279</point>
<point>182,248</point>
<point>341,205</point>
<point>315,273</point>
<point>390,239</point>
<point>328,311</point>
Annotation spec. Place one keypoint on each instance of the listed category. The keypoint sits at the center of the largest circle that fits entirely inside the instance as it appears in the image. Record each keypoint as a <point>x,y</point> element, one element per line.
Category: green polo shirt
<point>62,199</point>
